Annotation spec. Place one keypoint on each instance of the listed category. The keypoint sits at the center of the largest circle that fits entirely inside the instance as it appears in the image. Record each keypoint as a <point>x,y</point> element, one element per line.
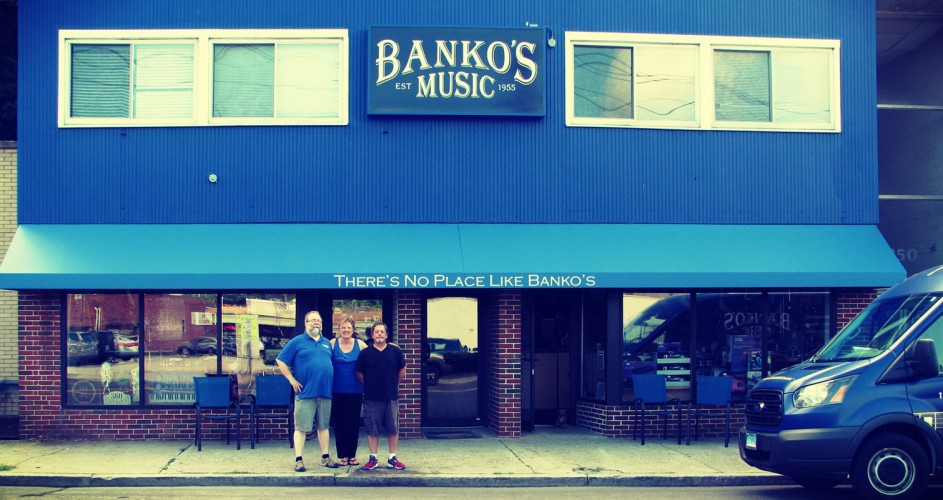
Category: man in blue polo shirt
<point>306,363</point>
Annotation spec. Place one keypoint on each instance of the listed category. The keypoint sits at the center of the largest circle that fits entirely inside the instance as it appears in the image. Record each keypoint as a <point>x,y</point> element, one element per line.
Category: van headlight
<point>823,393</point>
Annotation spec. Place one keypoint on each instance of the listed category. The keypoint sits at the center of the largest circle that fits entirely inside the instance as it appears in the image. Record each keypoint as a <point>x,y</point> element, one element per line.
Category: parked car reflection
<point>435,368</point>
<point>206,346</point>
<point>83,348</point>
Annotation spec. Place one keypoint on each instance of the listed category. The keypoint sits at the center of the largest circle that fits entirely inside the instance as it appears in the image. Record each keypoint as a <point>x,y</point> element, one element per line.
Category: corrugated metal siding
<point>449,169</point>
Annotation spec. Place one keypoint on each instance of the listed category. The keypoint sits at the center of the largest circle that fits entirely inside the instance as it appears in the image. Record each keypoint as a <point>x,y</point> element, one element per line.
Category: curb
<point>437,481</point>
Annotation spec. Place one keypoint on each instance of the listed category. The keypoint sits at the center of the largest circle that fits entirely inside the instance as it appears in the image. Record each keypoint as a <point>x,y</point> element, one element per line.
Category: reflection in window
<point>780,86</point>
<point>276,80</point>
<point>644,82</point>
<point>661,81</point>
<point>102,346</point>
<point>255,328</point>
<point>181,342</point>
<point>450,359</point>
<point>656,339</point>
<point>731,327</point>
<point>603,82</point>
<point>741,86</point>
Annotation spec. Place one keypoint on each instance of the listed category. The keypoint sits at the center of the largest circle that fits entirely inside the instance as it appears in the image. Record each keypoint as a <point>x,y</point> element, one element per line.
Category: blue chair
<point>653,390</point>
<point>215,393</point>
<point>711,392</point>
<point>272,392</point>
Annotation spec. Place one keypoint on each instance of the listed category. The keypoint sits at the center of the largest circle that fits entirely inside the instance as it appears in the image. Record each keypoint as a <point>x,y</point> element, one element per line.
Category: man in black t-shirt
<point>381,367</point>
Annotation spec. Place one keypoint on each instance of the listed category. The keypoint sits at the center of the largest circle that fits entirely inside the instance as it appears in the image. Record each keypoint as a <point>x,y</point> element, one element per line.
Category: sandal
<point>353,461</point>
<point>343,462</point>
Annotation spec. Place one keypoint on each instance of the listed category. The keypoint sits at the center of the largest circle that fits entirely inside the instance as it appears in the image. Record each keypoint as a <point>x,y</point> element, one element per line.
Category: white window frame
<point>704,78</point>
<point>202,75</point>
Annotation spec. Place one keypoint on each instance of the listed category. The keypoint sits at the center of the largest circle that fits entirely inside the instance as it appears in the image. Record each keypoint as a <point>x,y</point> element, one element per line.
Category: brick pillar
<point>850,302</point>
<point>504,398</point>
<point>39,371</point>
<point>408,328</point>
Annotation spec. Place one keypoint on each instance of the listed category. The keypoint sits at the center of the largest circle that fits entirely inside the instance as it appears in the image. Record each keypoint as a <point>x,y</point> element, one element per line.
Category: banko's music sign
<point>457,71</point>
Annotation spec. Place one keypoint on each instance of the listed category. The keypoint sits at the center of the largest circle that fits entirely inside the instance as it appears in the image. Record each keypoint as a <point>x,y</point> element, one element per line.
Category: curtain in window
<point>100,81</point>
<point>243,80</point>
<point>307,81</point>
<point>664,83</point>
<point>163,81</point>
<point>742,86</point>
<point>602,82</point>
<point>801,86</point>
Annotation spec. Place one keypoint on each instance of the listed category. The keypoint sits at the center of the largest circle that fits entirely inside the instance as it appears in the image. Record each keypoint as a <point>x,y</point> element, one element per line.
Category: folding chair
<point>653,390</point>
<point>272,392</point>
<point>215,393</point>
<point>712,391</point>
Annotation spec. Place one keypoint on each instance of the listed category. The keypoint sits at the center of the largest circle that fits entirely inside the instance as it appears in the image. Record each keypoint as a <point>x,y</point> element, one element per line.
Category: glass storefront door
<point>451,362</point>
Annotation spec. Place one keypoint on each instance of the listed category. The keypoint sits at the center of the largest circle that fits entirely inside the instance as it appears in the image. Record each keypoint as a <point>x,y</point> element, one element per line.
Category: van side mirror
<point>924,363</point>
<point>918,362</point>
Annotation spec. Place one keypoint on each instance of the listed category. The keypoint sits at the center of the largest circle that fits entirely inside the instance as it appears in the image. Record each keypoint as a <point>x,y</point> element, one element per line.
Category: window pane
<point>255,328</point>
<point>163,81</point>
<point>307,77</point>
<point>243,80</point>
<point>180,335</point>
<point>101,357</point>
<point>451,366</point>
<point>664,83</point>
<point>656,339</point>
<point>101,76</point>
<point>801,86</point>
<point>741,86</point>
<point>602,82</point>
<point>730,330</point>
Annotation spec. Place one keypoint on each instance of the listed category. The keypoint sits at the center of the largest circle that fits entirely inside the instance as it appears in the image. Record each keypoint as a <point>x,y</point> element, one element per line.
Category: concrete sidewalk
<point>545,457</point>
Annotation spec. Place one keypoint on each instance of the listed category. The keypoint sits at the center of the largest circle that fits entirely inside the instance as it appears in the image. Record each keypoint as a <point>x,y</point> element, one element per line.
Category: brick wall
<point>848,303</point>
<point>617,421</point>
<point>504,398</point>
<point>408,335</point>
<point>42,415</point>
<point>8,307</point>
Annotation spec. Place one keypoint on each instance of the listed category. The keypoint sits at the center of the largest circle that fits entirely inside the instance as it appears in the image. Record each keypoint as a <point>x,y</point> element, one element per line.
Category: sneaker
<point>371,464</point>
<point>329,463</point>
<point>394,463</point>
<point>300,466</point>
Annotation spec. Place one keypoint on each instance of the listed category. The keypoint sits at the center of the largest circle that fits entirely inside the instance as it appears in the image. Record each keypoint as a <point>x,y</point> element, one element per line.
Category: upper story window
<point>702,82</point>
<point>203,77</point>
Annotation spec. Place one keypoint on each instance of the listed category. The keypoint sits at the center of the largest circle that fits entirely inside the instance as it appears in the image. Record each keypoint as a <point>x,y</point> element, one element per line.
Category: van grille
<point>764,408</point>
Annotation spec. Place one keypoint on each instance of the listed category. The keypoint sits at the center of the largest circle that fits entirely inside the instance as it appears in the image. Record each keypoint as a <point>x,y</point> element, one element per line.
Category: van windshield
<point>877,328</point>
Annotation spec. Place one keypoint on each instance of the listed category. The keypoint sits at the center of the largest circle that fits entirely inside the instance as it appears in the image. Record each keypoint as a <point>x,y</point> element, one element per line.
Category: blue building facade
<point>539,173</point>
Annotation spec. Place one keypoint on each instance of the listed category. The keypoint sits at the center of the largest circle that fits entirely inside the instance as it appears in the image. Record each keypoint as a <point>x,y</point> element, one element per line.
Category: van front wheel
<point>893,465</point>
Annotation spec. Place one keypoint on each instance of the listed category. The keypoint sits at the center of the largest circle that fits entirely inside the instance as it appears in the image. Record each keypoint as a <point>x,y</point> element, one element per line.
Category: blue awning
<point>376,256</point>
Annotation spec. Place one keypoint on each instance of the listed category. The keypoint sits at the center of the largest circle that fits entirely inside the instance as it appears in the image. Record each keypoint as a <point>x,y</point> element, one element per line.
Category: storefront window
<point>593,346</point>
<point>731,327</point>
<point>728,336</point>
<point>104,345</point>
<point>656,338</point>
<point>181,343</point>
<point>101,349</point>
<point>255,328</point>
